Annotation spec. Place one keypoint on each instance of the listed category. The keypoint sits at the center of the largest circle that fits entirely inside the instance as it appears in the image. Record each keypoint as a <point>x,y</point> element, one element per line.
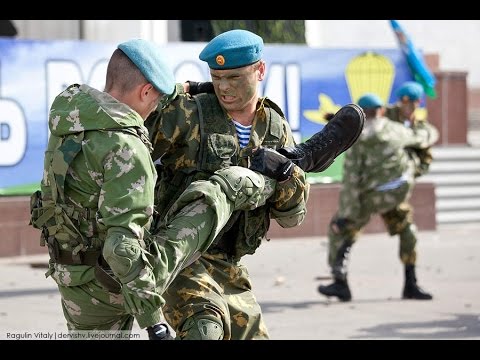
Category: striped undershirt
<point>243,133</point>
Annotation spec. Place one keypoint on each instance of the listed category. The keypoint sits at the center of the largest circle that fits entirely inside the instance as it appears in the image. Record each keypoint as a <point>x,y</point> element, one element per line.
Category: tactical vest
<point>218,149</point>
<point>62,223</point>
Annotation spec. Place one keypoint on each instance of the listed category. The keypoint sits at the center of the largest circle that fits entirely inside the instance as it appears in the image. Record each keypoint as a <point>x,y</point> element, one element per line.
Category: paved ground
<point>285,277</point>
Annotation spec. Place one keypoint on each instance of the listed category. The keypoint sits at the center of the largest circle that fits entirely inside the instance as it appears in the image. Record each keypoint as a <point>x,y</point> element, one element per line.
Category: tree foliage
<point>272,31</point>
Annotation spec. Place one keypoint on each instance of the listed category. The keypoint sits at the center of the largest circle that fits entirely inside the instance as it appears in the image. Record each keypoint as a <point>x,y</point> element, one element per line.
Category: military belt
<point>89,258</point>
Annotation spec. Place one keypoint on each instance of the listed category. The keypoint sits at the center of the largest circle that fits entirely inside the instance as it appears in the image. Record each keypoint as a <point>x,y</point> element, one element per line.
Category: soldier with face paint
<point>195,135</point>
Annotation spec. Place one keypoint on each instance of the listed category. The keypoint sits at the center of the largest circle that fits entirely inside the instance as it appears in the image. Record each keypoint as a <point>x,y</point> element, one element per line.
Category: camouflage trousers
<point>396,213</point>
<point>215,287</point>
<point>89,306</point>
<point>193,223</point>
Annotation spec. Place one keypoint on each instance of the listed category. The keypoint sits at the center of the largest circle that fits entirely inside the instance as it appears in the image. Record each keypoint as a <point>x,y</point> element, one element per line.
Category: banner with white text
<point>305,82</point>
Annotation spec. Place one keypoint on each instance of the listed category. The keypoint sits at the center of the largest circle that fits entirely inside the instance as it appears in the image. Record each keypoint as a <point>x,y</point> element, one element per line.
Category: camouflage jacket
<point>189,149</point>
<point>421,157</point>
<point>98,162</point>
<point>379,156</point>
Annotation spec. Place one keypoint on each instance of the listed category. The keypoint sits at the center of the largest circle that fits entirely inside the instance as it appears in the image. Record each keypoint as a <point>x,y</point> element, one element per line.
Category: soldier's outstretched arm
<point>125,209</point>
<point>420,136</point>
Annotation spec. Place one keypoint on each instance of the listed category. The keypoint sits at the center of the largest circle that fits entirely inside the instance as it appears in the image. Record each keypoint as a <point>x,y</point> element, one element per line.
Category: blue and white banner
<point>305,82</point>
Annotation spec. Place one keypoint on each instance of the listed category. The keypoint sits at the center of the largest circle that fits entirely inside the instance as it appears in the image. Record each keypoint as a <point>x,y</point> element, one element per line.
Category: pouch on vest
<point>37,215</point>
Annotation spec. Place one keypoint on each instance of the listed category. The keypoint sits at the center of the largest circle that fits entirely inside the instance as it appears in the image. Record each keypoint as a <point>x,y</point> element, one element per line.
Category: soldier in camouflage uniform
<point>378,178</point>
<point>97,197</point>
<point>194,136</point>
<point>409,96</point>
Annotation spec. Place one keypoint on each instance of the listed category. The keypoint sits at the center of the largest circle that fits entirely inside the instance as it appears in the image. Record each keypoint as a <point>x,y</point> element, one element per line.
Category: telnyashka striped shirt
<point>243,133</point>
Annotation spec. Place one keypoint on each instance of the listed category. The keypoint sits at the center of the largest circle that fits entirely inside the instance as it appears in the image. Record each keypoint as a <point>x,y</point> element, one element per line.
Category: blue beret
<point>232,49</point>
<point>370,101</point>
<point>151,61</point>
<point>410,89</point>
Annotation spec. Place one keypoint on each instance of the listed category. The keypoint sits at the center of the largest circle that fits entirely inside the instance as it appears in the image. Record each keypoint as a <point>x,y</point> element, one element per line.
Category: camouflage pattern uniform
<point>378,177</point>
<point>97,197</point>
<point>421,157</point>
<point>193,137</point>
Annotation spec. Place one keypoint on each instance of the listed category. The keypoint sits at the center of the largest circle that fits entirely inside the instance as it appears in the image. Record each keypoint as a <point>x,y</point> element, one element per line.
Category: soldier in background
<point>193,136</point>
<point>409,96</point>
<point>378,178</point>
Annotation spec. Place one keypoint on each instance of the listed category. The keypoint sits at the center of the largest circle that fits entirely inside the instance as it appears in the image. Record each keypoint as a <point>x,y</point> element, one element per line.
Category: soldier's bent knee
<point>241,185</point>
<point>202,327</point>
<point>123,257</point>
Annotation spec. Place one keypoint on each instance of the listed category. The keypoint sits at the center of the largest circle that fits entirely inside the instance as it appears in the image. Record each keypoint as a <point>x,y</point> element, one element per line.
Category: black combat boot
<point>319,152</point>
<point>411,289</point>
<point>339,287</point>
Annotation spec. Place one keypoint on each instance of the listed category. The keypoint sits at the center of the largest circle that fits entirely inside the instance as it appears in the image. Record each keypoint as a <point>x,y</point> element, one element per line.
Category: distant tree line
<point>272,31</point>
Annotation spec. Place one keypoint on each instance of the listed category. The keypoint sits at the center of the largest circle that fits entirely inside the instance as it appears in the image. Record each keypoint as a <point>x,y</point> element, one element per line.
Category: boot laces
<point>323,139</point>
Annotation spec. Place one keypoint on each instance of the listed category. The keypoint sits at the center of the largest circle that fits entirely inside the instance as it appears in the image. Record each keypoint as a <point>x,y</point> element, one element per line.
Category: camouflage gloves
<point>270,163</point>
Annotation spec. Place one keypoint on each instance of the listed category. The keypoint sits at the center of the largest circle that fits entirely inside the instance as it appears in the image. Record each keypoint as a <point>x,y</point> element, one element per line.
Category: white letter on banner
<point>13,133</point>
<point>275,86</point>
<point>283,87</point>
<point>293,96</point>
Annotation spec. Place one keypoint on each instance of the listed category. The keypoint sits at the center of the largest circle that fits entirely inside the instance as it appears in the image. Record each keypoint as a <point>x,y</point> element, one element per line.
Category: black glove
<point>200,87</point>
<point>270,163</point>
<point>159,332</point>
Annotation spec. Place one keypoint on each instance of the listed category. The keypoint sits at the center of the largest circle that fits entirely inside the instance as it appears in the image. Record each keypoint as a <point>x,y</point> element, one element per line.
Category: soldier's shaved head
<point>122,74</point>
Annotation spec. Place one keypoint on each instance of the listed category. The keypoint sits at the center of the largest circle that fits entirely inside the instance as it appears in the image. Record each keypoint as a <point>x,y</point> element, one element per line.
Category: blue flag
<point>415,60</point>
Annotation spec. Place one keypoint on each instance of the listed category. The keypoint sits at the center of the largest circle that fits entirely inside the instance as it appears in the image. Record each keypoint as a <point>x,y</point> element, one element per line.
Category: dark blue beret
<point>233,49</point>
<point>151,61</point>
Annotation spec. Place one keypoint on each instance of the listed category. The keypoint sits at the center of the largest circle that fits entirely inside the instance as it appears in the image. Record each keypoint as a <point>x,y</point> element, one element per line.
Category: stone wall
<point>323,203</point>
<point>18,238</point>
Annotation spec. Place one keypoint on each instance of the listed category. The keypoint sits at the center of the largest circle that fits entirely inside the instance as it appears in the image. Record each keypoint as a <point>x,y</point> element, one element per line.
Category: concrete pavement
<point>285,275</point>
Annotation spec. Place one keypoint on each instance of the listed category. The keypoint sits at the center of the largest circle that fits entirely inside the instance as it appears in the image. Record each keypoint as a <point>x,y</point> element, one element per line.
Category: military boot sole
<point>361,116</point>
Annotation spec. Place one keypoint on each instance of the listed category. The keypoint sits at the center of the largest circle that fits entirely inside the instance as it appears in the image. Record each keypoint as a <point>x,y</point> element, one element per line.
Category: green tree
<point>272,31</point>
